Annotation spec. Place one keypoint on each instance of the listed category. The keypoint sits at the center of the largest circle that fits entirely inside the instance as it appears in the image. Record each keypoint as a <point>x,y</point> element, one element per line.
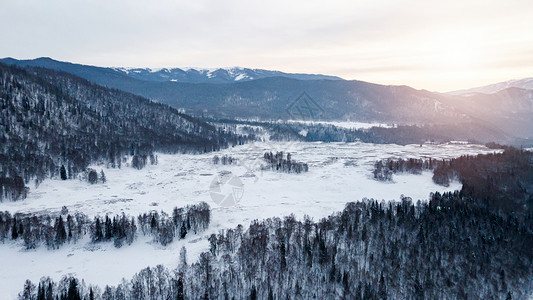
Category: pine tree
<point>108,234</point>
<point>98,235</point>
<point>40,292</point>
<point>49,292</point>
<point>29,289</point>
<point>382,289</point>
<point>92,177</point>
<point>102,176</point>
<point>183,231</point>
<point>14,231</point>
<point>213,244</point>
<point>253,293</point>
<point>73,293</point>
<point>63,173</point>
<point>283,265</point>
<point>270,294</point>
<point>61,234</point>
<point>153,223</point>
<point>179,294</point>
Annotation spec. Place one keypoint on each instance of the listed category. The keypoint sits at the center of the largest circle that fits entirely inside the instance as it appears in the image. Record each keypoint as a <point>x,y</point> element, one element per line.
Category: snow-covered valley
<point>338,173</point>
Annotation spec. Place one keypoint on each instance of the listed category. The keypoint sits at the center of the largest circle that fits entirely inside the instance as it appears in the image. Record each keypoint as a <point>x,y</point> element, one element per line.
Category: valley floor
<point>338,173</point>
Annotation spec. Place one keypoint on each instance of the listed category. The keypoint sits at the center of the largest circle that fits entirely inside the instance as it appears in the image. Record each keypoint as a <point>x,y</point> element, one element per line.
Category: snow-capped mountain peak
<point>211,75</point>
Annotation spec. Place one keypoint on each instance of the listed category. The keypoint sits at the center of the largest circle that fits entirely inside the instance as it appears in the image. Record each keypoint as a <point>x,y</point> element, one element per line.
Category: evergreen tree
<point>283,265</point>
<point>183,230</point>
<point>98,234</point>
<point>29,290</point>
<point>63,173</point>
<point>179,294</point>
<point>49,292</point>
<point>14,230</point>
<point>382,289</point>
<point>108,228</point>
<point>73,293</point>
<point>92,177</point>
<point>253,293</point>
<point>61,234</point>
<point>40,292</point>
<point>153,224</point>
<point>102,176</point>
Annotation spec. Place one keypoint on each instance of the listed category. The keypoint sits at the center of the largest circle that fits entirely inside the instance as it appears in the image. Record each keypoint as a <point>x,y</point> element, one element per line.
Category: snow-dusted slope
<point>526,83</point>
<point>339,173</point>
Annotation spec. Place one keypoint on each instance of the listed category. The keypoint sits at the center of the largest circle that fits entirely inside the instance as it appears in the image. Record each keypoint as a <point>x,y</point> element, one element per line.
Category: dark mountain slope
<point>49,119</point>
<point>269,97</point>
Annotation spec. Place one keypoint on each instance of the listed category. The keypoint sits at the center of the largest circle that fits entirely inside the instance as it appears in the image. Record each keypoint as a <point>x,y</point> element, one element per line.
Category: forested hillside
<point>501,181</point>
<point>49,119</point>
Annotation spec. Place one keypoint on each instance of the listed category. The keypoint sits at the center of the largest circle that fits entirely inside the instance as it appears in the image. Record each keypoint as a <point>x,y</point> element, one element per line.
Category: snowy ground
<point>338,173</point>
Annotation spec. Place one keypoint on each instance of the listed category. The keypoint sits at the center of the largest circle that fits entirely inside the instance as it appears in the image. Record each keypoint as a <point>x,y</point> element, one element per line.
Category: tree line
<point>383,169</point>
<point>224,160</point>
<point>279,163</point>
<point>504,181</point>
<point>54,231</point>
<point>397,134</point>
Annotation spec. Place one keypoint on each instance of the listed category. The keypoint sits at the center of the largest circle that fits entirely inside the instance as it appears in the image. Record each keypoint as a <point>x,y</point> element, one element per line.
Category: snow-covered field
<point>338,173</point>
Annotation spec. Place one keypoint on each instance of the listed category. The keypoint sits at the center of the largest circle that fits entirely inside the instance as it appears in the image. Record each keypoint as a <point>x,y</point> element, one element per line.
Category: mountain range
<point>185,75</point>
<point>268,95</point>
<point>525,83</point>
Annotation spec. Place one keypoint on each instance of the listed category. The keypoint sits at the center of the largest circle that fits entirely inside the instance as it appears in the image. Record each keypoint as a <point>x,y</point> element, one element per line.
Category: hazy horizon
<point>437,46</point>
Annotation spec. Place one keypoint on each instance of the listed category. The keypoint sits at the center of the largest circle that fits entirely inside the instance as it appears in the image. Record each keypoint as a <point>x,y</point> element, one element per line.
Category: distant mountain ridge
<point>185,75</point>
<point>219,75</point>
<point>497,117</point>
<point>266,97</point>
<point>525,83</point>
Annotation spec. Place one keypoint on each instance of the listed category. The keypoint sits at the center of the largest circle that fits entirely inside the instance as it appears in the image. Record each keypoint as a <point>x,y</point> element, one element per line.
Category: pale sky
<point>435,45</point>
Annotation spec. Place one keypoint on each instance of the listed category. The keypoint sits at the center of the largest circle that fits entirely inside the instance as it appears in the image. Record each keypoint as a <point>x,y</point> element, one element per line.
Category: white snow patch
<point>240,77</point>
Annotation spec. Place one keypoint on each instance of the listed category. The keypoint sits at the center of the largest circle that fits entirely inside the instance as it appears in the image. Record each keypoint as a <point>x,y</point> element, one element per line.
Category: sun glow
<point>455,52</point>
